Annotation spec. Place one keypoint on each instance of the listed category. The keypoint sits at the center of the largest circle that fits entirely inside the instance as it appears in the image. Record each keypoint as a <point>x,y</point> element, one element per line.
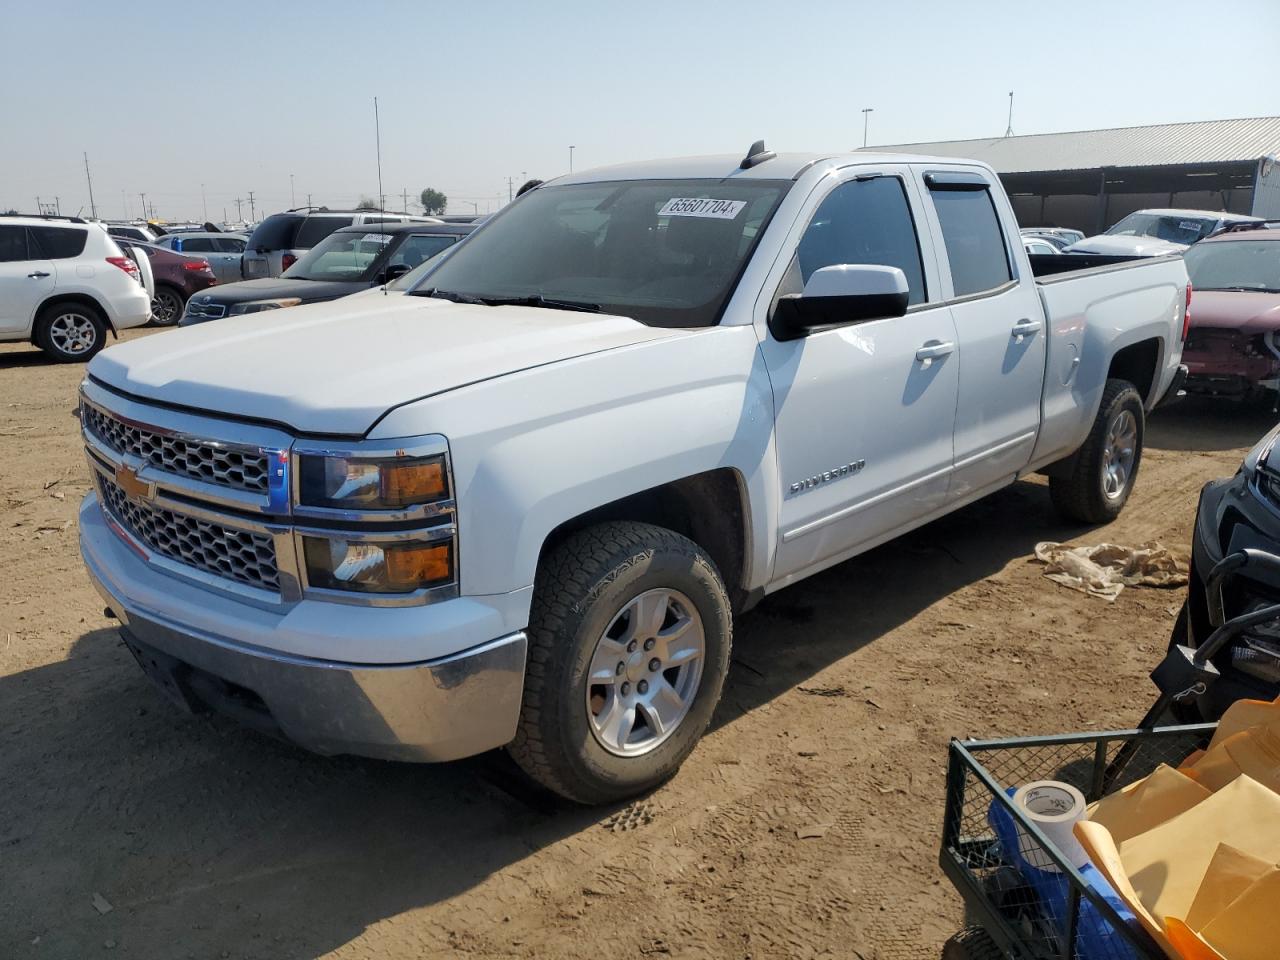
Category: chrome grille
<point>200,460</point>
<point>220,550</point>
<point>206,311</point>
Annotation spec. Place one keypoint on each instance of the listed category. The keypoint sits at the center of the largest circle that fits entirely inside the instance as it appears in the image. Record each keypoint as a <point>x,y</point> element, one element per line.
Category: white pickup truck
<point>522,504</point>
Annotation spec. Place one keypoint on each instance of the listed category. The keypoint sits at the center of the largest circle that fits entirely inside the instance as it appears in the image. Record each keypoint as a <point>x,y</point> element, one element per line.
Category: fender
<point>535,449</point>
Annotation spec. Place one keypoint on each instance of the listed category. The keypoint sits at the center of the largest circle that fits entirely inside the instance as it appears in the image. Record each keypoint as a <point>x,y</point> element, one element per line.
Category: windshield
<point>666,253</point>
<point>1235,265</point>
<point>1172,227</point>
<point>340,256</point>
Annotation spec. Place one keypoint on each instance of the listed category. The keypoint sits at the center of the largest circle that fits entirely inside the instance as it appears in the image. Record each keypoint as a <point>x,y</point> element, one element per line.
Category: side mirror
<point>841,294</point>
<point>393,272</point>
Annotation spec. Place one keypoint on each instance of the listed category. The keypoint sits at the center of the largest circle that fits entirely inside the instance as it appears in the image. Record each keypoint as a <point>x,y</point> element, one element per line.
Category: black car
<point>1237,514</point>
<point>345,262</point>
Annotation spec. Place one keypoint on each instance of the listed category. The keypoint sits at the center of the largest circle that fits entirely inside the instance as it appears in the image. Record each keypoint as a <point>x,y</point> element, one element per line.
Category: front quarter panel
<point>534,449</point>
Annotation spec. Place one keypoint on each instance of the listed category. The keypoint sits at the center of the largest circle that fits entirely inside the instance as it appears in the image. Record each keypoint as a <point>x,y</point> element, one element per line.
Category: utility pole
<point>204,204</point>
<point>252,216</point>
<point>377,133</point>
<point>571,158</point>
<point>57,205</point>
<point>510,192</point>
<point>224,214</point>
<point>239,216</point>
<point>308,199</point>
<point>1008,131</point>
<point>93,210</point>
<point>866,117</point>
<point>293,201</point>
<point>39,209</point>
<point>404,195</point>
<point>143,198</point>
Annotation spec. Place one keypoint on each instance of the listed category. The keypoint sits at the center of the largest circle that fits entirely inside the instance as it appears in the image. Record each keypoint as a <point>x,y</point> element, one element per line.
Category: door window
<point>13,244</point>
<point>228,245</point>
<point>416,250</point>
<point>971,233</point>
<point>197,245</point>
<point>864,221</point>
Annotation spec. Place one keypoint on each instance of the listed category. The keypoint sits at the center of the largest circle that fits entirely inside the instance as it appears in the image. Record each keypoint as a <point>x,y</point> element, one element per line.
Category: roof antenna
<point>1008,131</point>
<point>756,155</point>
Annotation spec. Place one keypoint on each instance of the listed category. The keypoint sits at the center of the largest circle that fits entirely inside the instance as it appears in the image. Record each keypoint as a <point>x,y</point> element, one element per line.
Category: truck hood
<point>1235,310</point>
<point>1122,246</point>
<point>335,368</point>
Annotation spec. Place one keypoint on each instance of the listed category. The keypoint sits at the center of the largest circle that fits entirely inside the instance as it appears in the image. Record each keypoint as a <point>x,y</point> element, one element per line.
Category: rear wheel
<point>167,306</point>
<point>629,641</point>
<point>1101,479</point>
<point>70,332</point>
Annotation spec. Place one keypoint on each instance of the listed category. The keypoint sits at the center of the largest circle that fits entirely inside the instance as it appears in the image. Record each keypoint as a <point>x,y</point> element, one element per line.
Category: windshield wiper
<point>451,295</point>
<point>538,300</point>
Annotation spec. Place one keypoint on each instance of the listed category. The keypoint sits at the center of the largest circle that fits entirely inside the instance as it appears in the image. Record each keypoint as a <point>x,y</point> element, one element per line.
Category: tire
<point>167,306</point>
<point>615,591</point>
<point>973,943</point>
<point>70,332</point>
<point>1102,477</point>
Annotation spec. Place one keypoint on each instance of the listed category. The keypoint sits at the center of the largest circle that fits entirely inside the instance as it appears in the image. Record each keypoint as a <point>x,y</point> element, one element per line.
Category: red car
<point>178,276</point>
<point>1233,347</point>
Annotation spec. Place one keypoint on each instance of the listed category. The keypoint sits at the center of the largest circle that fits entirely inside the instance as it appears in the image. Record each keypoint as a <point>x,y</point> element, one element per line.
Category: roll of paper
<point>1054,807</point>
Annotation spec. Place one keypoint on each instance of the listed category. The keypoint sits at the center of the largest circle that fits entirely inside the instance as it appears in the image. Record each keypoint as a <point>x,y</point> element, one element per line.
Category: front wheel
<point>629,641</point>
<point>1101,479</point>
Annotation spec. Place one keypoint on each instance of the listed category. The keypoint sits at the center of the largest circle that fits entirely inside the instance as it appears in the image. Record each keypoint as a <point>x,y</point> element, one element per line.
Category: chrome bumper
<point>442,709</point>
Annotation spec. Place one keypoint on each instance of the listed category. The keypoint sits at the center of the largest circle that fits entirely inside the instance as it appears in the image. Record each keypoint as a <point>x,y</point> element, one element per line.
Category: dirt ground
<point>208,841</point>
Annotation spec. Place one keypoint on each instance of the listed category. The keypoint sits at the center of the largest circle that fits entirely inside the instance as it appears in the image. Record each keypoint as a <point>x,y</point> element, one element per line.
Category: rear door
<point>26,278</point>
<point>863,412</point>
<point>999,325</point>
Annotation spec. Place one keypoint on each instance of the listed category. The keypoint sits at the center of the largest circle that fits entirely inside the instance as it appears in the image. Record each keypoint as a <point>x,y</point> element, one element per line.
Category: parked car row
<point>278,241</point>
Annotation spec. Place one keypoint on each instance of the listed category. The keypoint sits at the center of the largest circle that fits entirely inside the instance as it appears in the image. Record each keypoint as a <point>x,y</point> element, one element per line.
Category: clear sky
<point>166,96</point>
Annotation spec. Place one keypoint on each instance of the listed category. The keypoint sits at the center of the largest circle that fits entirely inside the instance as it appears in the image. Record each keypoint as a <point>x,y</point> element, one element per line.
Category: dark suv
<point>279,240</point>
<point>345,262</point>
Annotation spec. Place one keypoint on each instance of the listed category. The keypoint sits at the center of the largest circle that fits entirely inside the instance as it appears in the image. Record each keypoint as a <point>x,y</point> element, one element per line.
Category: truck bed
<point>1045,265</point>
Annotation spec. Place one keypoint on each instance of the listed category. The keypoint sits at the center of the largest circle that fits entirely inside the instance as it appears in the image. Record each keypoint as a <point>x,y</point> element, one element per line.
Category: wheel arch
<point>84,299</point>
<point>711,508</point>
<point>1138,363</point>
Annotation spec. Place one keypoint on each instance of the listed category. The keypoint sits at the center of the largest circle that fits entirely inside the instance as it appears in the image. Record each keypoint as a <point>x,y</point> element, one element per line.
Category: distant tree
<point>433,202</point>
<point>366,203</point>
<point>11,213</point>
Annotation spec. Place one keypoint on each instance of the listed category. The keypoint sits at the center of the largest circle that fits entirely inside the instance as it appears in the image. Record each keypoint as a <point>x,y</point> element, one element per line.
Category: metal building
<point>1089,179</point>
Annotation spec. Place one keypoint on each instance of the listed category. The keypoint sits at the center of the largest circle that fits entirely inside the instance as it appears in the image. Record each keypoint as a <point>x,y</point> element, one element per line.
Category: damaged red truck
<point>1233,348</point>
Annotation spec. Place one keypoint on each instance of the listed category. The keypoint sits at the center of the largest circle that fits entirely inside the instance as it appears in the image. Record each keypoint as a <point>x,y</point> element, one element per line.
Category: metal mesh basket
<point>1051,910</point>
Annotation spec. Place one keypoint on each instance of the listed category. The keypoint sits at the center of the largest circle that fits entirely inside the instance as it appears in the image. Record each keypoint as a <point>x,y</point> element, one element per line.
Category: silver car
<point>224,251</point>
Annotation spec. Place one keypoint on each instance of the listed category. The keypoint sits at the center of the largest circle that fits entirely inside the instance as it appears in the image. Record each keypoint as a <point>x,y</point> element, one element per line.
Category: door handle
<point>1025,327</point>
<point>933,350</point>
<point>36,273</point>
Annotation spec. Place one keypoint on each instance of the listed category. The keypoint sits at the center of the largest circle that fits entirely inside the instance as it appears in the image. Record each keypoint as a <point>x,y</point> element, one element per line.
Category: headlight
<point>386,483</point>
<point>400,566</point>
<point>253,306</point>
<point>1261,452</point>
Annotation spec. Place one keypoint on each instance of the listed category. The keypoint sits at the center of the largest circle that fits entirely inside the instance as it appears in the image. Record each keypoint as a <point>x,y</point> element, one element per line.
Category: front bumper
<point>456,698</point>
<point>438,710</point>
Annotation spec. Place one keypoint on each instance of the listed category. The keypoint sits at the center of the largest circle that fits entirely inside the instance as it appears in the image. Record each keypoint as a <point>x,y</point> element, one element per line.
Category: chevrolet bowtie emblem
<point>135,489</point>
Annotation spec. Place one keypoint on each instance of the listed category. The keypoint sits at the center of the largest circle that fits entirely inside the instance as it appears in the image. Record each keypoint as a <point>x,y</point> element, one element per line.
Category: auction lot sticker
<point>702,207</point>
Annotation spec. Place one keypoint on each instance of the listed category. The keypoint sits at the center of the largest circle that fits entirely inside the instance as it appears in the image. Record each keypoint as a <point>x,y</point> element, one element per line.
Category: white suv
<point>63,283</point>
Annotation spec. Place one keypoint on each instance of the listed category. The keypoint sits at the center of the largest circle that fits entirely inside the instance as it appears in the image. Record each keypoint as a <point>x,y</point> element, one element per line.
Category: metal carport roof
<point>1165,144</point>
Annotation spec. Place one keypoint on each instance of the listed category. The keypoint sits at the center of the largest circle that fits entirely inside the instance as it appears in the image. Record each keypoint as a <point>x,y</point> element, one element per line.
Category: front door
<point>864,412</point>
<point>25,280</point>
